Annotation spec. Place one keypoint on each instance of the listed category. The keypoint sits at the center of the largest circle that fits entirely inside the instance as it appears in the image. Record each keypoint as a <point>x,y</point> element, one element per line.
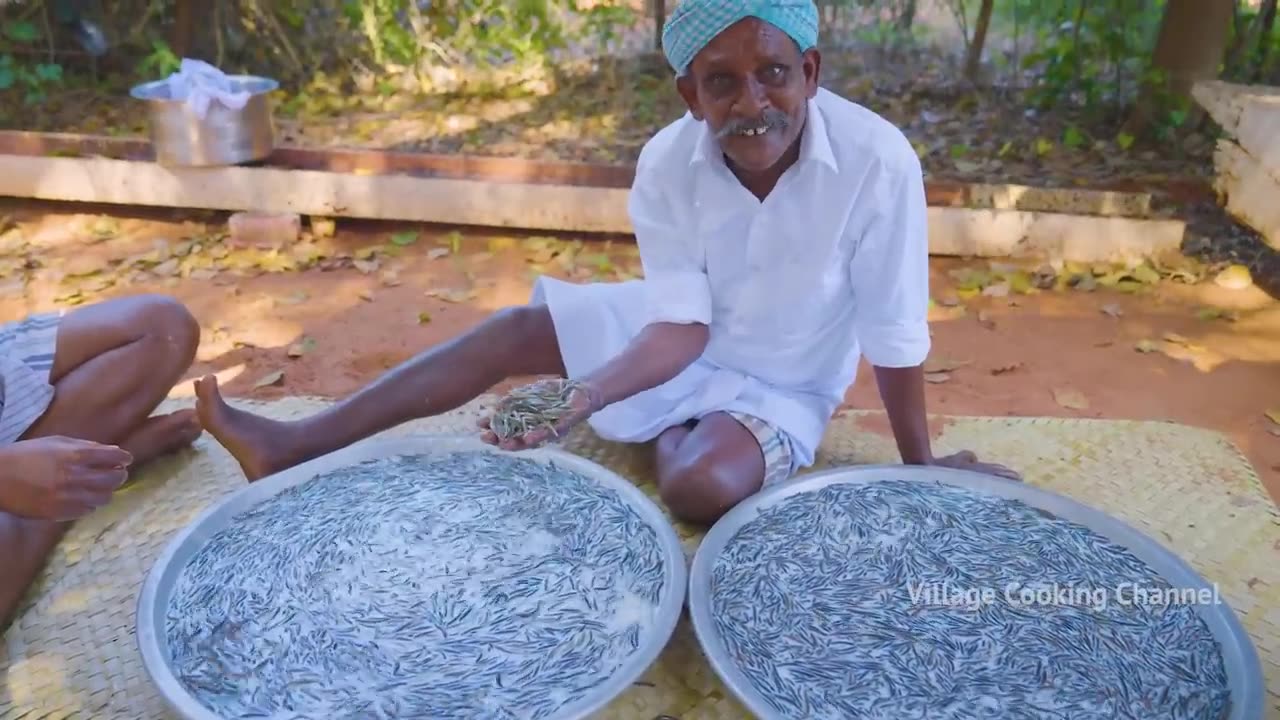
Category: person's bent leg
<point>114,363</point>
<point>515,341</point>
<point>705,471</point>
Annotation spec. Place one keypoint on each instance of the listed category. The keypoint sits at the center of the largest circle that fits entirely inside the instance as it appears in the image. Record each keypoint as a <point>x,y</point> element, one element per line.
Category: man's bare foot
<point>258,444</point>
<point>162,434</point>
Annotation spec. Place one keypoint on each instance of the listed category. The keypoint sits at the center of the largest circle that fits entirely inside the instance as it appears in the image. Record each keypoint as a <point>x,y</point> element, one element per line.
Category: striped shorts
<point>26,358</point>
<point>779,460</point>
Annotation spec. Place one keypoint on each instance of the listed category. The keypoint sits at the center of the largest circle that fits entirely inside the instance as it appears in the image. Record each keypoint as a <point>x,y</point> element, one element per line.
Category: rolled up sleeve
<point>677,289</point>
<point>890,275</point>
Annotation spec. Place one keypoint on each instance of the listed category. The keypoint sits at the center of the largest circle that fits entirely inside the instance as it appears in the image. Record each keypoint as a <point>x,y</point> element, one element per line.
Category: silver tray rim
<point>1240,657</point>
<point>160,580</point>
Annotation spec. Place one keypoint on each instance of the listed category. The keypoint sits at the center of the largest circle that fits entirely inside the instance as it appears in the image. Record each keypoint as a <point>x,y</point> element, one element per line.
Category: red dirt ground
<point>359,326</point>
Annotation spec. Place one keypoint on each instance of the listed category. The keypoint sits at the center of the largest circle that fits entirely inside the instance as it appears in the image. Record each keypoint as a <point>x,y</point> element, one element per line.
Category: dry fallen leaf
<point>499,244</point>
<point>1235,277</point>
<point>937,377</point>
<point>366,266</point>
<point>366,296</point>
<point>424,318</point>
<point>1003,369</point>
<point>1145,346</point>
<point>1084,283</point>
<point>453,296</point>
<point>1273,416</point>
<point>274,378</point>
<point>302,347</point>
<point>1070,399</point>
<point>998,290</point>
<point>295,298</point>
<point>941,314</point>
<point>1112,310</point>
<point>1175,338</point>
<point>984,319</point>
<point>1199,356</point>
<point>168,268</point>
<point>949,301</point>
<point>943,365</point>
<point>323,227</point>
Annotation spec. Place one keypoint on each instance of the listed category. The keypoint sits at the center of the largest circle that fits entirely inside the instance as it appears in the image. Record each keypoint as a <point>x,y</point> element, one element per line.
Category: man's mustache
<point>773,119</point>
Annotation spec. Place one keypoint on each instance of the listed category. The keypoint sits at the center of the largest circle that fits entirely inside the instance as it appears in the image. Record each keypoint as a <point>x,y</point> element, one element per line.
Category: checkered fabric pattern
<point>779,460</point>
<point>695,22</point>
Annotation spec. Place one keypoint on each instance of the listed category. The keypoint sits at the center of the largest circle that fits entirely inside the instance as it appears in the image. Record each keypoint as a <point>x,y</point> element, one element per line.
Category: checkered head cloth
<point>696,22</point>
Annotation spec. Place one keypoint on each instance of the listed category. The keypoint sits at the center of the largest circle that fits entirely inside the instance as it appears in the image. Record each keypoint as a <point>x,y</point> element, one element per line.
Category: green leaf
<point>49,72</point>
<point>1124,140</point>
<point>402,239</point>
<point>7,78</point>
<point>22,32</point>
<point>1145,274</point>
<point>455,241</point>
<point>1072,138</point>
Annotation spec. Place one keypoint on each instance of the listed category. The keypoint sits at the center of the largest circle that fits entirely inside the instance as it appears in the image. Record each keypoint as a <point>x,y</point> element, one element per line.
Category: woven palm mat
<point>72,653</point>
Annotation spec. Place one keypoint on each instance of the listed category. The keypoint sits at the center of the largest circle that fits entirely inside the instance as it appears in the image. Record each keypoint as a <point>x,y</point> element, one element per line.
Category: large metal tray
<point>160,581</point>
<point>1243,668</point>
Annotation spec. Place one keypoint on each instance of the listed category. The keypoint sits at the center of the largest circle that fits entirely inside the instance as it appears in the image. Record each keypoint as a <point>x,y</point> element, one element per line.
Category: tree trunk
<point>1193,39</point>
<point>184,25</point>
<point>1266,26</point>
<point>659,19</point>
<point>973,59</point>
<point>907,15</point>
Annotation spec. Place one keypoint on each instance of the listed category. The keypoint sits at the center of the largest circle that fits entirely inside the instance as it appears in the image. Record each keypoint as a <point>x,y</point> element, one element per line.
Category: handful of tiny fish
<point>834,604</point>
<point>540,405</point>
<point>463,585</point>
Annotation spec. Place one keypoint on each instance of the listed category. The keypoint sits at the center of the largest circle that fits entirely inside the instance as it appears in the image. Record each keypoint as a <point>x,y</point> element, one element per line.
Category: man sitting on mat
<point>782,234</point>
<point>76,397</point>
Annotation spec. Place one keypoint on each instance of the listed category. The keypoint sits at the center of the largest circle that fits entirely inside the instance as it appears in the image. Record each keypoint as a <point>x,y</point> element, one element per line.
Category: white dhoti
<point>595,322</point>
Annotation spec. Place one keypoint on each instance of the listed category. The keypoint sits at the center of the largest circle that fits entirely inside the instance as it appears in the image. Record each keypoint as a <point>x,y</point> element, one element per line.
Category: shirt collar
<point>815,144</point>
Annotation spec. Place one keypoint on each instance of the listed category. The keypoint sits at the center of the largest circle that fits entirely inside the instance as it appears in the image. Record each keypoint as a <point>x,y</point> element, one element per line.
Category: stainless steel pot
<point>222,137</point>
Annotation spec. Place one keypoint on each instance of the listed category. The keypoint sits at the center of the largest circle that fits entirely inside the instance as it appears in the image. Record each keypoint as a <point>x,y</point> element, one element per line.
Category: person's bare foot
<point>163,434</point>
<point>260,445</point>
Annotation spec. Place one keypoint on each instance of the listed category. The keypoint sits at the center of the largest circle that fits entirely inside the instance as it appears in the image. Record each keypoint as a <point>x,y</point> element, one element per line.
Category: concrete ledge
<point>1252,191</point>
<point>1248,169</point>
<point>1106,203</point>
<point>534,206</point>
<point>563,208</point>
<point>1248,113</point>
<point>1051,236</point>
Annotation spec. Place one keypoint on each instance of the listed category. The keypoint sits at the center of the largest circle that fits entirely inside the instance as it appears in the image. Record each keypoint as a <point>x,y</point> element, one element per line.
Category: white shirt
<point>831,266</point>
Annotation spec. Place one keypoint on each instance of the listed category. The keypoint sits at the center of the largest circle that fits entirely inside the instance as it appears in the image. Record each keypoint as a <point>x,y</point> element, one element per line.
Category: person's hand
<point>966,460</point>
<point>581,400</point>
<point>60,478</point>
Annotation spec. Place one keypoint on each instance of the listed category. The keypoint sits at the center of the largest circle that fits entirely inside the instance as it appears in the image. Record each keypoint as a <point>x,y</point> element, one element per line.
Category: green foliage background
<point>1091,54</point>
